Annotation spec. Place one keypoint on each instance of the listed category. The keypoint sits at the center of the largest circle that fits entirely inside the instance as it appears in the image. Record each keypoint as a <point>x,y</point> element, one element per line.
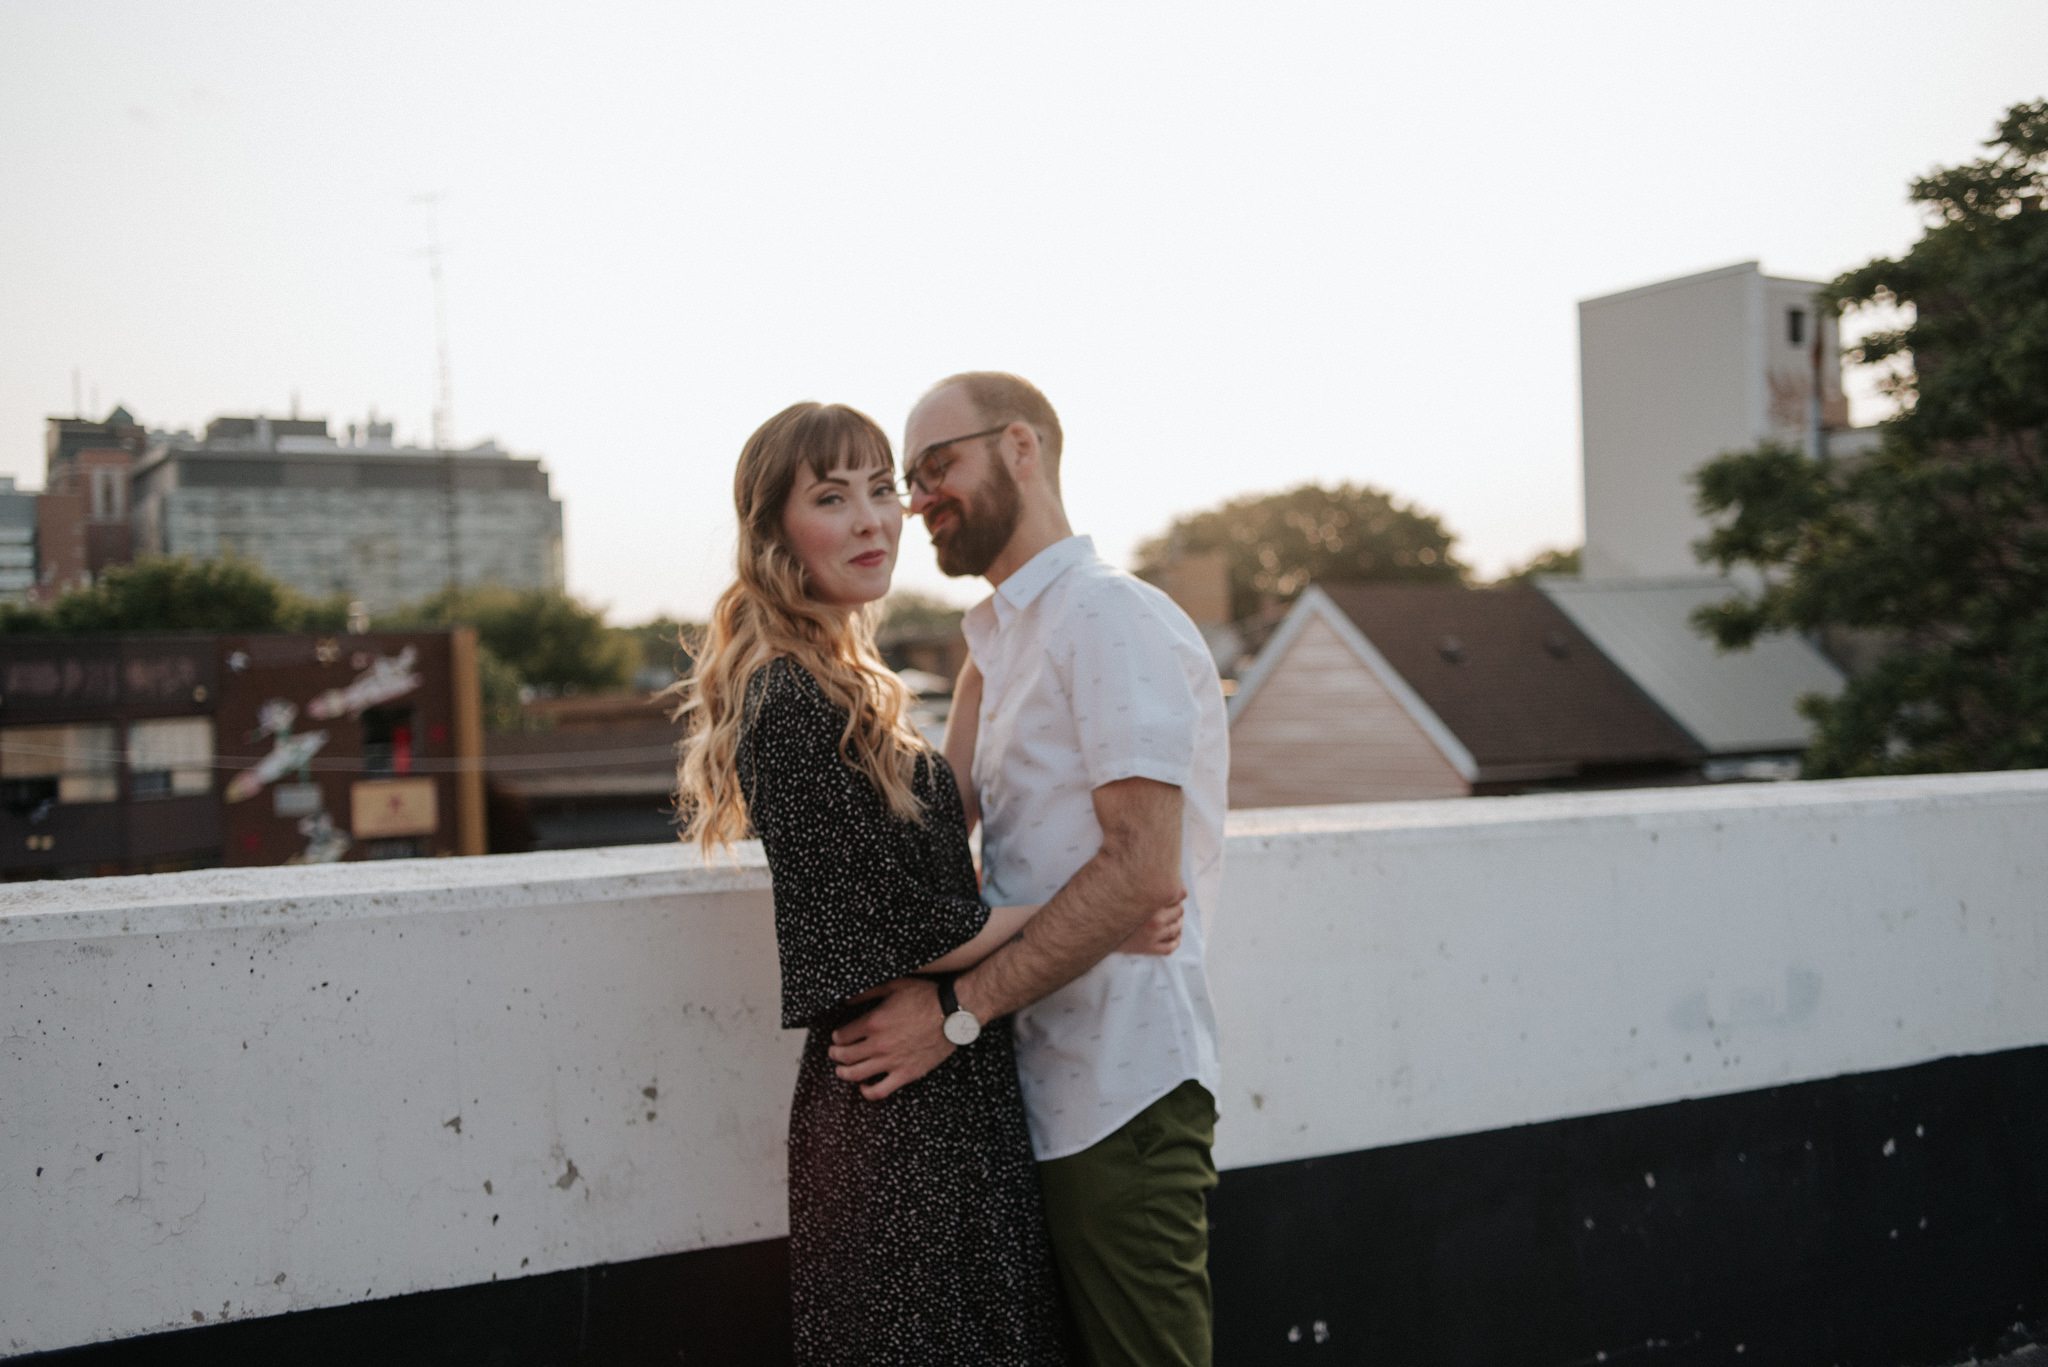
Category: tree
<point>663,645</point>
<point>549,639</point>
<point>1937,542</point>
<point>908,613</point>
<point>1544,562</point>
<point>1275,545</point>
<point>165,593</point>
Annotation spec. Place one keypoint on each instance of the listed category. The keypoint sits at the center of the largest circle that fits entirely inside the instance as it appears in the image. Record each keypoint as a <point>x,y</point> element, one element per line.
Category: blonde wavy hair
<point>769,613</point>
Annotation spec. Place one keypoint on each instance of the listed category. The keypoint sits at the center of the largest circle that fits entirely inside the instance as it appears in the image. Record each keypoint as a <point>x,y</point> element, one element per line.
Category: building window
<point>387,741</point>
<point>170,757</point>
<point>106,495</point>
<point>1795,326</point>
<point>46,765</point>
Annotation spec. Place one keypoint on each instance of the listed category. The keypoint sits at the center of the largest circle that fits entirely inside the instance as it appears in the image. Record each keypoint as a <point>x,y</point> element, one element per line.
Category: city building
<point>159,752</point>
<point>583,773</point>
<point>365,519</point>
<point>17,542</point>
<point>1386,692</point>
<point>82,515</point>
<point>1672,375</point>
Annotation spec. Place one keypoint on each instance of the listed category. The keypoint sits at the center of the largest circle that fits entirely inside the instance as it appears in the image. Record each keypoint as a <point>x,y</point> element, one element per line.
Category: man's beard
<point>982,525</point>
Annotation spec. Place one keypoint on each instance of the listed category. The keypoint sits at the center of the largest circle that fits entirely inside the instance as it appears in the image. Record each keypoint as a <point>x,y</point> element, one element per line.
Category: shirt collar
<point>1021,589</point>
<point>988,617</point>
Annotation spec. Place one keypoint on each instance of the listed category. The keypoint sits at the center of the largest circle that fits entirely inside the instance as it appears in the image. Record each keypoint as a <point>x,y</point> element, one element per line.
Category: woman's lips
<point>867,560</point>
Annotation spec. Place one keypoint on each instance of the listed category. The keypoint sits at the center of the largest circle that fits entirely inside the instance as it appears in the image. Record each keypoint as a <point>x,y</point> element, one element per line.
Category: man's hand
<point>1160,935</point>
<point>894,1044</point>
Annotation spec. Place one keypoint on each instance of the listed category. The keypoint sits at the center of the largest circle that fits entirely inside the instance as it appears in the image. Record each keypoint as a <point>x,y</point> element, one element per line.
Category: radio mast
<point>444,392</point>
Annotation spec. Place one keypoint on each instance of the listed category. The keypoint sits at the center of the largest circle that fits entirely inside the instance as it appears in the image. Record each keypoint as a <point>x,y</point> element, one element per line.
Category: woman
<point>915,1229</point>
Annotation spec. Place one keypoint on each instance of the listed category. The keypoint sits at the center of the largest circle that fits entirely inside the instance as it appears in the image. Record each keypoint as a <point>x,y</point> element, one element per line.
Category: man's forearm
<point>1135,873</point>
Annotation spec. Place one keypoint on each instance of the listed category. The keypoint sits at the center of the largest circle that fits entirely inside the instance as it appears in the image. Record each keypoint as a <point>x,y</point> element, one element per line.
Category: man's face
<point>969,500</point>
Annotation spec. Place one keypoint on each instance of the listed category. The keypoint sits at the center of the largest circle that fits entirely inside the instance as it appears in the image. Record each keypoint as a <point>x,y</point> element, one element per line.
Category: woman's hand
<point>1160,934</point>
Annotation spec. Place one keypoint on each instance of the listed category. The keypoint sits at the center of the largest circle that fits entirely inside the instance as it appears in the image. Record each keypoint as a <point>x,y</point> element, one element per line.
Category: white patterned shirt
<point>1093,676</point>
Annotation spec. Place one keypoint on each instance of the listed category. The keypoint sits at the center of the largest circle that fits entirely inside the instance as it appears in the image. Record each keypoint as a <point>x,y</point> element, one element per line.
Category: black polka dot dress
<point>916,1234</point>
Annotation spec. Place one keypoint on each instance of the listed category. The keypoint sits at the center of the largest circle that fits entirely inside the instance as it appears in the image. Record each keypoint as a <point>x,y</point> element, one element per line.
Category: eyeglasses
<point>929,472</point>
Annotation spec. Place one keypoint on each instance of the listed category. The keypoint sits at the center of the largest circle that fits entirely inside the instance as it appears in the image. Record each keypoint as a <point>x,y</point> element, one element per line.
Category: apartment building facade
<point>363,518</point>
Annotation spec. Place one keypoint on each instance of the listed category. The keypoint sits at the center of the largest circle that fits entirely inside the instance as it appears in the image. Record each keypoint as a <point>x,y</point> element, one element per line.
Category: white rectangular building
<point>1672,375</point>
<point>373,521</point>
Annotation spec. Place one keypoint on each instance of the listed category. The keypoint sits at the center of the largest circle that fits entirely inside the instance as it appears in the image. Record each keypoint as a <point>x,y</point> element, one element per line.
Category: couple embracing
<point>999,1147</point>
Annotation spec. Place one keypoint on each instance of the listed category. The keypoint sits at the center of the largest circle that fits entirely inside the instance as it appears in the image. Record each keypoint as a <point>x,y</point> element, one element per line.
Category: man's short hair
<point>1002,397</point>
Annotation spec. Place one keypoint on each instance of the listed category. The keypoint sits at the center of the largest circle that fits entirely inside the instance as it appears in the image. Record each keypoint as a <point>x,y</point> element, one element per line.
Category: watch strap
<point>948,1002</point>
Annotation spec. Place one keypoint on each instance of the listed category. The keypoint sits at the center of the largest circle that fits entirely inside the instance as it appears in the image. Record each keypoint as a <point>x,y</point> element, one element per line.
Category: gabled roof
<point>1314,605</point>
<point>1523,689</point>
<point>1734,702</point>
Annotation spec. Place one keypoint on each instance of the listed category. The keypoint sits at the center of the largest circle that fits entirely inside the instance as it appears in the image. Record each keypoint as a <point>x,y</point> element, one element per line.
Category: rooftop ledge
<point>304,894</point>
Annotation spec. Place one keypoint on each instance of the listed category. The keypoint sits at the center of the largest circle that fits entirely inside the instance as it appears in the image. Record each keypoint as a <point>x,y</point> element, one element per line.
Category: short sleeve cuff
<point>1175,774</point>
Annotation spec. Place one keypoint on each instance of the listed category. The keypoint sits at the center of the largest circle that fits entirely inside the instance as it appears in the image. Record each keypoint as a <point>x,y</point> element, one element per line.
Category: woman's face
<point>843,530</point>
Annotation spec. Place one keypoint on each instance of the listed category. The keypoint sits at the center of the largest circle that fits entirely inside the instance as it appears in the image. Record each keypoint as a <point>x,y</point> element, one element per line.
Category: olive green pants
<point>1130,1231</point>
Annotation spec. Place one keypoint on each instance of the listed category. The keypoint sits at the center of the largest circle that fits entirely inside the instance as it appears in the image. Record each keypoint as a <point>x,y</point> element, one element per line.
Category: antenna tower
<point>444,390</point>
<point>444,398</point>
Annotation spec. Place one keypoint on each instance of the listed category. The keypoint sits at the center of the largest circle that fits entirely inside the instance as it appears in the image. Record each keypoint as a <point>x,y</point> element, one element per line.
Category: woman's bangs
<point>846,439</point>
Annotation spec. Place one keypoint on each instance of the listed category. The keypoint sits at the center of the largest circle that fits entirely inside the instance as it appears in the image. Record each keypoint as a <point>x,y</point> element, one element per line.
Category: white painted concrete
<point>1397,972</point>
<point>240,1086</point>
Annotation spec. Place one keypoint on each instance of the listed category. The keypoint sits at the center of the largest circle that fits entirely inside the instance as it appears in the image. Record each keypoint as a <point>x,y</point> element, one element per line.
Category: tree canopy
<point>1275,545</point>
<point>167,593</point>
<point>550,640</point>
<point>664,644</point>
<point>1553,561</point>
<point>1937,543</point>
<point>907,613</point>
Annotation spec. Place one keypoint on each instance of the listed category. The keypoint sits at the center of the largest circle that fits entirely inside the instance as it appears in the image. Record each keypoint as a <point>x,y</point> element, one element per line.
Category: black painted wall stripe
<point>1886,1219</point>
<point>1892,1219</point>
<point>714,1307</point>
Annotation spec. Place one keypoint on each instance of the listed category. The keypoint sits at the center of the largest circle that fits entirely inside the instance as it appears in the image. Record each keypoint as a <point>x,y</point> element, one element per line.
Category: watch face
<point>962,1028</point>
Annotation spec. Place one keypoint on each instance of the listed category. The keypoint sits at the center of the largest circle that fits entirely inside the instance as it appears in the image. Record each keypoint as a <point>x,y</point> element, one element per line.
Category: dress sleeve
<point>853,909</point>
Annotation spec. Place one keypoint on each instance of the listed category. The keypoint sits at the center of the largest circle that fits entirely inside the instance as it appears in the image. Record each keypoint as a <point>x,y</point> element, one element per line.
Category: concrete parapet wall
<point>237,1093</point>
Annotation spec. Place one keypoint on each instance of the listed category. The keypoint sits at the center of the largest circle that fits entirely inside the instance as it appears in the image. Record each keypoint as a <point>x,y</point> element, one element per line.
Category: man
<point>1100,770</point>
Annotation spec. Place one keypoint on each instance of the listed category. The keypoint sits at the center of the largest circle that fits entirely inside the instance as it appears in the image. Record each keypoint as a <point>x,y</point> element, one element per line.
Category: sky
<point>1239,246</point>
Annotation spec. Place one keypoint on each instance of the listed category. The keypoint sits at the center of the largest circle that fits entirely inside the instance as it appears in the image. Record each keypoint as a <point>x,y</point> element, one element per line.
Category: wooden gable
<point>1321,727</point>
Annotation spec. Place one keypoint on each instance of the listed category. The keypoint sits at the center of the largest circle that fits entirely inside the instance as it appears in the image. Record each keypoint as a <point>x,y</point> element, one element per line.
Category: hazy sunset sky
<point>1240,246</point>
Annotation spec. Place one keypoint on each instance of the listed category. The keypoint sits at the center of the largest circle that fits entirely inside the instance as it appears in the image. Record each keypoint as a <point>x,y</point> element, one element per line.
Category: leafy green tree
<point>1544,562</point>
<point>1276,544</point>
<point>171,593</point>
<point>661,647</point>
<point>1938,542</point>
<point>550,640</point>
<point>500,692</point>
<point>907,612</point>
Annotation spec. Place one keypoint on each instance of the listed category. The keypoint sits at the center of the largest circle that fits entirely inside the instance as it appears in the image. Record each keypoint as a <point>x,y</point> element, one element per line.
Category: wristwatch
<point>961,1027</point>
